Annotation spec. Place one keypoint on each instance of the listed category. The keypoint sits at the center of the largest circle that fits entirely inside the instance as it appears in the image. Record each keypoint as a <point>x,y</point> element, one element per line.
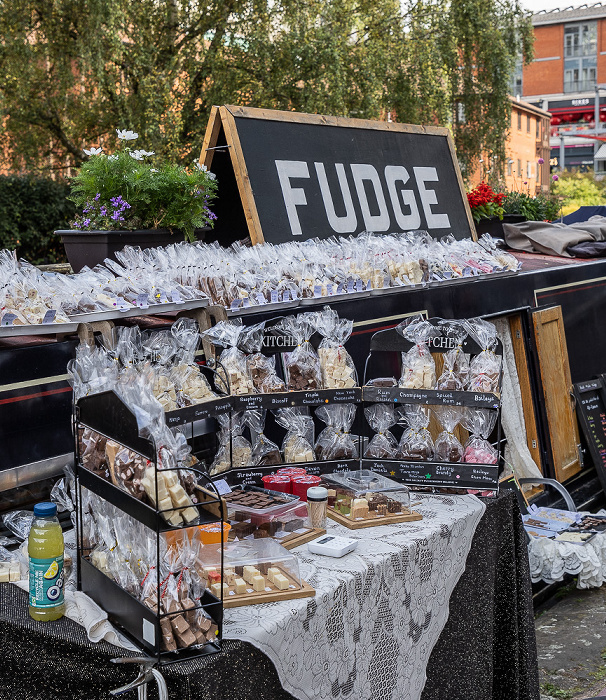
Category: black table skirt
<point>486,650</point>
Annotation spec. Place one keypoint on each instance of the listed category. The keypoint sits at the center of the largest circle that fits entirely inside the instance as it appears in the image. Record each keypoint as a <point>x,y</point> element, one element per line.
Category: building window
<point>516,81</point>
<point>510,167</point>
<point>528,123</point>
<point>580,56</point>
<point>519,121</point>
<point>519,168</point>
<point>528,169</point>
<point>538,122</point>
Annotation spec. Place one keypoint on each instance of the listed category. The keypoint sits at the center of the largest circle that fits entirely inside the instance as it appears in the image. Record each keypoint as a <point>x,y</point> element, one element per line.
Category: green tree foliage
<point>579,190</point>
<point>31,208</point>
<point>74,70</point>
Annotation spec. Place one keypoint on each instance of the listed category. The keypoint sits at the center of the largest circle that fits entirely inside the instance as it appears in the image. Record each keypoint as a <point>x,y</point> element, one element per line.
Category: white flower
<point>212,176</point>
<point>93,151</point>
<point>112,157</point>
<point>136,155</point>
<point>153,170</point>
<point>126,135</point>
<point>197,166</point>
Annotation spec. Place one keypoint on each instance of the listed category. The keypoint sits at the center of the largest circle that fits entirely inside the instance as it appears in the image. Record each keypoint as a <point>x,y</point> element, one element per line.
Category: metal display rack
<point>106,414</point>
<point>432,474</point>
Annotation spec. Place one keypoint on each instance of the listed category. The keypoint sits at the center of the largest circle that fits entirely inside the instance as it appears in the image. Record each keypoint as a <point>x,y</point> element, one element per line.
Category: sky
<point>537,5</point>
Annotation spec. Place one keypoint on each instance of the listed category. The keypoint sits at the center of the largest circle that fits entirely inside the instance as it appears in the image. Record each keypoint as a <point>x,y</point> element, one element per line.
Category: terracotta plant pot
<point>92,247</point>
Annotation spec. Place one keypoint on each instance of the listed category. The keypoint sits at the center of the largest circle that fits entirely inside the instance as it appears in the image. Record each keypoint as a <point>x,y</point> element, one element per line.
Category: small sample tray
<point>311,301</point>
<point>296,540</point>
<point>271,596</point>
<point>375,521</point>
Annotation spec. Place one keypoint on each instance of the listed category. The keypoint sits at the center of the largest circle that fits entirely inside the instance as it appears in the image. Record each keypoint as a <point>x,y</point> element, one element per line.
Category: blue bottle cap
<point>45,510</point>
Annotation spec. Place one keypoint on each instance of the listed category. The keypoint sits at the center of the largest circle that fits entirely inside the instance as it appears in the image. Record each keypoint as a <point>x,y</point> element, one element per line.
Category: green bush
<point>31,208</point>
<point>540,207</point>
<point>579,190</point>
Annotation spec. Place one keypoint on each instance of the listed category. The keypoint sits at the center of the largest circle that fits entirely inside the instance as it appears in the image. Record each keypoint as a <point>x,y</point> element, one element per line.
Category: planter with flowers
<point>487,210</point>
<point>128,199</point>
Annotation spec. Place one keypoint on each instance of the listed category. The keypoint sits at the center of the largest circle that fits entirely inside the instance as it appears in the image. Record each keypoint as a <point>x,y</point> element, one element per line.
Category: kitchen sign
<point>287,176</point>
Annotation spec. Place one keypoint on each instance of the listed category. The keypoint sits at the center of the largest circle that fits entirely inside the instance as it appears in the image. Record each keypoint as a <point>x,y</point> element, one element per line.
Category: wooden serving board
<point>237,601</point>
<point>292,541</point>
<point>373,522</point>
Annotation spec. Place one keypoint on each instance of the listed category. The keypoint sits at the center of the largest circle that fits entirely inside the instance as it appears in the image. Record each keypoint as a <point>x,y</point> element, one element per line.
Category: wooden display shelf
<point>373,522</point>
<point>274,596</point>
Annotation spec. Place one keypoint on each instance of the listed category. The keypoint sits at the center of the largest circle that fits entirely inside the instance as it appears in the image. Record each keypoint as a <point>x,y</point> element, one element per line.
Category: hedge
<point>31,208</point>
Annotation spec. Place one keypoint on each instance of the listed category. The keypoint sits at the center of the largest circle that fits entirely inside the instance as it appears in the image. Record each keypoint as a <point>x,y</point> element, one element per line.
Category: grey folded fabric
<point>588,249</point>
<point>553,239</point>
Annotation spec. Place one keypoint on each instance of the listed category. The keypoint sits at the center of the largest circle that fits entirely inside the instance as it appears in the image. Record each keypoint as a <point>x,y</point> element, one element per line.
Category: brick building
<point>564,78</point>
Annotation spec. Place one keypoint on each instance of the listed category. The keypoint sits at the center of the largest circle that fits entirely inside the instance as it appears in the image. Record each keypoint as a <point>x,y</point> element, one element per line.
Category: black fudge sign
<point>591,410</point>
<point>302,176</point>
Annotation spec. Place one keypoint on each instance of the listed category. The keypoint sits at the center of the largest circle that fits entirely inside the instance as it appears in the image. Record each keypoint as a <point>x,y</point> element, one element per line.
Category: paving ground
<point>571,641</point>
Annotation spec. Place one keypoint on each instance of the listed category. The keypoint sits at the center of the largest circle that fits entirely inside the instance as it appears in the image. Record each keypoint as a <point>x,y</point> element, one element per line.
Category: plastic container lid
<point>45,510</point>
<point>317,493</point>
<point>361,481</point>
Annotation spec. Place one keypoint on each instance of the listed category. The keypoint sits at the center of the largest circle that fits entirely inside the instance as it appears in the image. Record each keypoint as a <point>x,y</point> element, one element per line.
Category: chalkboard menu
<point>591,411</point>
<point>302,176</point>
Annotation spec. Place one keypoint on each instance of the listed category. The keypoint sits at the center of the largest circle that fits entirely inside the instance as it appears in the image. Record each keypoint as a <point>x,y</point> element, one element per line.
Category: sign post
<point>288,176</point>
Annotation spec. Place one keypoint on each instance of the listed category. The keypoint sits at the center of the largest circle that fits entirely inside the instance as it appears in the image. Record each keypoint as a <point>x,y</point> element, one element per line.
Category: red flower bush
<point>484,202</point>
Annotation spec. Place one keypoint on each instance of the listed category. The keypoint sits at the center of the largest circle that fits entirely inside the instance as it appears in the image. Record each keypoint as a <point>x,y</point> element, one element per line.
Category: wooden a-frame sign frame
<point>249,189</point>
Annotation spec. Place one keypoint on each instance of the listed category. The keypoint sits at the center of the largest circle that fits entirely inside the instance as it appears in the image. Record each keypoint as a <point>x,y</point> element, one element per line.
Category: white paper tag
<point>142,301</point>
<point>149,632</point>
<point>119,304</point>
<point>161,298</point>
<point>329,289</point>
<point>292,586</point>
<point>286,295</point>
<point>235,304</point>
<point>268,589</point>
<point>350,286</point>
<point>301,531</point>
<point>274,296</point>
<point>222,487</point>
<point>317,290</point>
<point>249,590</point>
<point>260,299</point>
<point>7,319</point>
<point>340,289</point>
<point>49,316</point>
<point>232,593</point>
<point>176,297</point>
<point>246,303</point>
<point>359,285</point>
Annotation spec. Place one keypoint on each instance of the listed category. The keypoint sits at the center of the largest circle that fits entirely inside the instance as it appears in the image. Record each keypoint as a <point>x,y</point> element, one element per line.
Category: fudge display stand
<point>386,348</point>
<point>106,414</point>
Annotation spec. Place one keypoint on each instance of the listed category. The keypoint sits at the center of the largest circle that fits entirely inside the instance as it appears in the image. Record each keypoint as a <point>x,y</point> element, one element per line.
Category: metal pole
<point>562,153</point>
<point>596,109</point>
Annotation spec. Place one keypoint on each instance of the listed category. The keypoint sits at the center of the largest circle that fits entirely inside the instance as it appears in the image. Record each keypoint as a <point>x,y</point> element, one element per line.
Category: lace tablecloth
<point>378,611</point>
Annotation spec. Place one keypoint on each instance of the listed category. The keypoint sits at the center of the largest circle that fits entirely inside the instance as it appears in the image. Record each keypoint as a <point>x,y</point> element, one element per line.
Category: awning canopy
<point>601,154</point>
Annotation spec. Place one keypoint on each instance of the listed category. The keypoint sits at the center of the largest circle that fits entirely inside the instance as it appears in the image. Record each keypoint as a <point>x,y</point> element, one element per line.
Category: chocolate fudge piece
<point>242,530</point>
<point>383,382</point>
<point>270,459</point>
<point>239,570</point>
<point>260,534</point>
<point>168,639</point>
<point>271,527</point>
<point>382,509</point>
<point>302,377</point>
<point>394,506</point>
<point>264,567</point>
<point>294,524</point>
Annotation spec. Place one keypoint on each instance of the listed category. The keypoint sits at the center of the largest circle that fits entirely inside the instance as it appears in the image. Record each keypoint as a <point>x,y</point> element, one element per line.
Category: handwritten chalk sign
<point>302,176</point>
<point>591,411</point>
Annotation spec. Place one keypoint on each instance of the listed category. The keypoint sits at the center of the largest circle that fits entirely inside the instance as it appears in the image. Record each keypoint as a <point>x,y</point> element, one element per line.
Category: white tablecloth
<point>378,611</point>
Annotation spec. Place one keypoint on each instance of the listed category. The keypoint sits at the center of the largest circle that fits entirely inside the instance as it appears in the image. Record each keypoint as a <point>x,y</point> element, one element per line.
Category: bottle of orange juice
<point>45,548</point>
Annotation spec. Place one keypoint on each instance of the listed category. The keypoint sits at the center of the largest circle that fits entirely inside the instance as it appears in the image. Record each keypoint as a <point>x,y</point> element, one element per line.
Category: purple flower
<point>116,215</point>
<point>555,178</point>
<point>86,223</point>
<point>103,211</point>
<point>540,161</point>
<point>525,182</point>
<point>97,196</point>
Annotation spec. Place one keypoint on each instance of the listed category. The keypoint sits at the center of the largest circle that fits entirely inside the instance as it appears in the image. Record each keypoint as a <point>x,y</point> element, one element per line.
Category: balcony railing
<point>579,85</point>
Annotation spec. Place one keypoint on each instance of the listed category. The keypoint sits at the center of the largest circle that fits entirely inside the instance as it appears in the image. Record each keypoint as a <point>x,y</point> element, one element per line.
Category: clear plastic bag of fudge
<point>381,418</point>
<point>337,367</point>
<point>128,347</point>
<point>126,469</point>
<point>159,347</point>
<point>484,368</point>
<point>480,423</point>
<point>297,445</point>
<point>447,446</point>
<point>265,453</point>
<point>234,449</point>
<point>164,388</point>
<point>190,385</point>
<point>18,522</point>
<point>182,633</point>
<point>418,366</point>
<point>336,441</point>
<point>185,331</point>
<point>92,453</point>
<point>302,365</point>
<point>261,368</point>
<point>226,334</point>
<point>416,444</point>
<point>456,361</point>
<point>92,371</point>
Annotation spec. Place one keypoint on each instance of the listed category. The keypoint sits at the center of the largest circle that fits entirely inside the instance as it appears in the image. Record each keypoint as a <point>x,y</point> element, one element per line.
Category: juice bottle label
<point>46,582</point>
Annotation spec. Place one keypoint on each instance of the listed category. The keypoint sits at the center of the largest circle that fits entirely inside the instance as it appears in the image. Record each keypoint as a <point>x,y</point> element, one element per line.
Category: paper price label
<point>176,297</point>
<point>275,297</point>
<point>329,290</point>
<point>368,286</point>
<point>286,295</point>
<point>120,304</point>
<point>49,316</point>
<point>222,487</point>
<point>7,319</point>
<point>246,302</point>
<point>260,299</point>
<point>317,290</point>
<point>350,286</point>
<point>142,302</point>
<point>359,285</point>
<point>235,304</point>
<point>340,289</point>
<point>161,298</point>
